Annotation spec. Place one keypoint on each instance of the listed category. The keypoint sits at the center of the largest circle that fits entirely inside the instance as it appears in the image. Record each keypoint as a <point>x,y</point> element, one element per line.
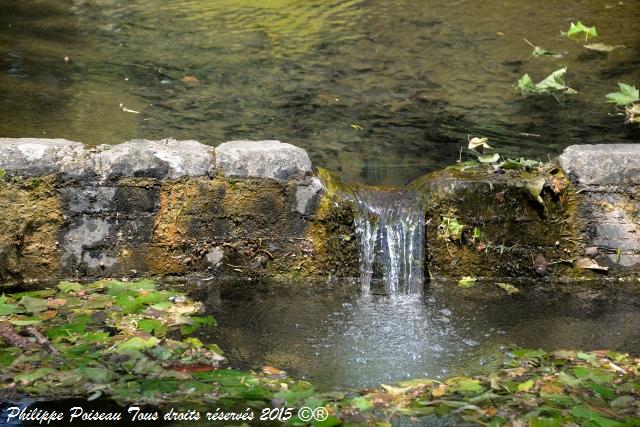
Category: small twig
<point>266,252</point>
<point>10,336</point>
<point>42,340</point>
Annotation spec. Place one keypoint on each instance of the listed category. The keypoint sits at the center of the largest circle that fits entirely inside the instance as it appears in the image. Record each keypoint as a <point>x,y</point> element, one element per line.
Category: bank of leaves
<point>130,342</point>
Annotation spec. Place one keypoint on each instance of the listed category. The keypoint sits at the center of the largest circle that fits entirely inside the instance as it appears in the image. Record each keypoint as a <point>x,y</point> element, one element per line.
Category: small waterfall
<point>390,225</point>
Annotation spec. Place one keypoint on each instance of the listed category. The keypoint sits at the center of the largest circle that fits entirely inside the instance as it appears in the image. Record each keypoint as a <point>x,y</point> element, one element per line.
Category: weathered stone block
<point>263,159</point>
<point>37,157</point>
<point>602,164</point>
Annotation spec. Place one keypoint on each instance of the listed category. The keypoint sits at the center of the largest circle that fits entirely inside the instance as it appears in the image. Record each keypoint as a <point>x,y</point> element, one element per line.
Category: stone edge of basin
<point>160,159</point>
<point>602,164</point>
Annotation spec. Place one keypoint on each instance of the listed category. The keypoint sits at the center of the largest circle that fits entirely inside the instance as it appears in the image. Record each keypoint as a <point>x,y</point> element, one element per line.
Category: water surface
<point>336,336</point>
<point>379,91</point>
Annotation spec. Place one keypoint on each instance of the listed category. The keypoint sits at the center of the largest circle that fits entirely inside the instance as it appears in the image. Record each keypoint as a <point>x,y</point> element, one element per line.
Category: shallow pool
<point>336,336</point>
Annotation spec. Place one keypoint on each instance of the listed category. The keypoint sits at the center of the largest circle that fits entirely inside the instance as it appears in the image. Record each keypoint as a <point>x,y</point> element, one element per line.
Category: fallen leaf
<point>439,391</point>
<point>589,264</point>
<point>190,79</point>
<point>56,302</point>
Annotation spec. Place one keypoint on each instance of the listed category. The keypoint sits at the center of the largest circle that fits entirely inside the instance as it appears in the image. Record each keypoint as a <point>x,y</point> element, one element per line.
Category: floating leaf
<point>467,282</point>
<point>625,96</point>
<point>508,288</point>
<point>601,47</point>
<point>577,31</point>
<point>554,84</point>
<point>538,52</point>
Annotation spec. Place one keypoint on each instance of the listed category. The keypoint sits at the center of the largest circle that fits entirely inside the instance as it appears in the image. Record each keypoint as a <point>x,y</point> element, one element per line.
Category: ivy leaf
<point>627,95</point>
<point>577,31</point>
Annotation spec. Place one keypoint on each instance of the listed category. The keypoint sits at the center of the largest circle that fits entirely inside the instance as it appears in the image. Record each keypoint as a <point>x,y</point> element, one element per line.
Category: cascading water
<point>390,225</point>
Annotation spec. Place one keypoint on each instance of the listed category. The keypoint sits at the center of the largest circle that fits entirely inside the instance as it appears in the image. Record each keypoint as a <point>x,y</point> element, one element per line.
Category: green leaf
<point>31,376</point>
<point>7,309</point>
<point>467,282</point>
<point>67,287</point>
<point>152,326</point>
<point>538,52</point>
<point>582,412</point>
<point>555,81</point>
<point>577,31</point>
<point>469,386</point>
<point>508,288</point>
<point>197,323</point>
<point>25,322</point>
<point>525,386</point>
<point>138,343</point>
<point>553,84</point>
<point>362,403</point>
<point>489,158</point>
<point>623,402</point>
<point>33,305</point>
<point>627,95</point>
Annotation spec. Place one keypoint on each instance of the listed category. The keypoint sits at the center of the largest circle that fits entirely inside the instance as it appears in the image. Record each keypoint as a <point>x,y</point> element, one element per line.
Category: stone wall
<point>163,207</point>
<point>262,210</point>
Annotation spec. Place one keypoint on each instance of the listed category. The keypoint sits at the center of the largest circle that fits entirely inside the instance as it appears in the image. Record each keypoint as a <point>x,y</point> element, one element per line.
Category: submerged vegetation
<point>130,342</point>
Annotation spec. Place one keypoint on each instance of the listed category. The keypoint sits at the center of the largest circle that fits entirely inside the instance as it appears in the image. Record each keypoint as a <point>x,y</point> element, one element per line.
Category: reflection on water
<point>336,336</point>
<point>412,77</point>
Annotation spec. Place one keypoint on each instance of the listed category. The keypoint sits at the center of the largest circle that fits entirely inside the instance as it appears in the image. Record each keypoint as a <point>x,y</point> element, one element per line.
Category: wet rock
<point>603,164</point>
<point>540,264</point>
<point>307,195</point>
<point>37,157</point>
<point>215,256</point>
<point>263,159</point>
<point>591,251</point>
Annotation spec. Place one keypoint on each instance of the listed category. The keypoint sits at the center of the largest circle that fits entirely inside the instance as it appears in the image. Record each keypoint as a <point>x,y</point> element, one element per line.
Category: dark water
<point>378,90</point>
<point>335,336</point>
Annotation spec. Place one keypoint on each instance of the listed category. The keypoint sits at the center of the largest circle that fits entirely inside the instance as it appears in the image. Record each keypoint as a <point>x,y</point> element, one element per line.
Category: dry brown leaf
<point>439,391</point>
<point>589,264</point>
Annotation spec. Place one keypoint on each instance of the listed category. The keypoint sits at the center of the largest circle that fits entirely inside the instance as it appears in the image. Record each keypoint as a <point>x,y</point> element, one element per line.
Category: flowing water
<point>390,227</point>
<point>379,91</point>
<point>337,336</point>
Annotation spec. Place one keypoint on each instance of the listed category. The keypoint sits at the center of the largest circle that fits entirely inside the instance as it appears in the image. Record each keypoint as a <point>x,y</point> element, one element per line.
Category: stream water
<point>379,91</point>
<point>336,335</point>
